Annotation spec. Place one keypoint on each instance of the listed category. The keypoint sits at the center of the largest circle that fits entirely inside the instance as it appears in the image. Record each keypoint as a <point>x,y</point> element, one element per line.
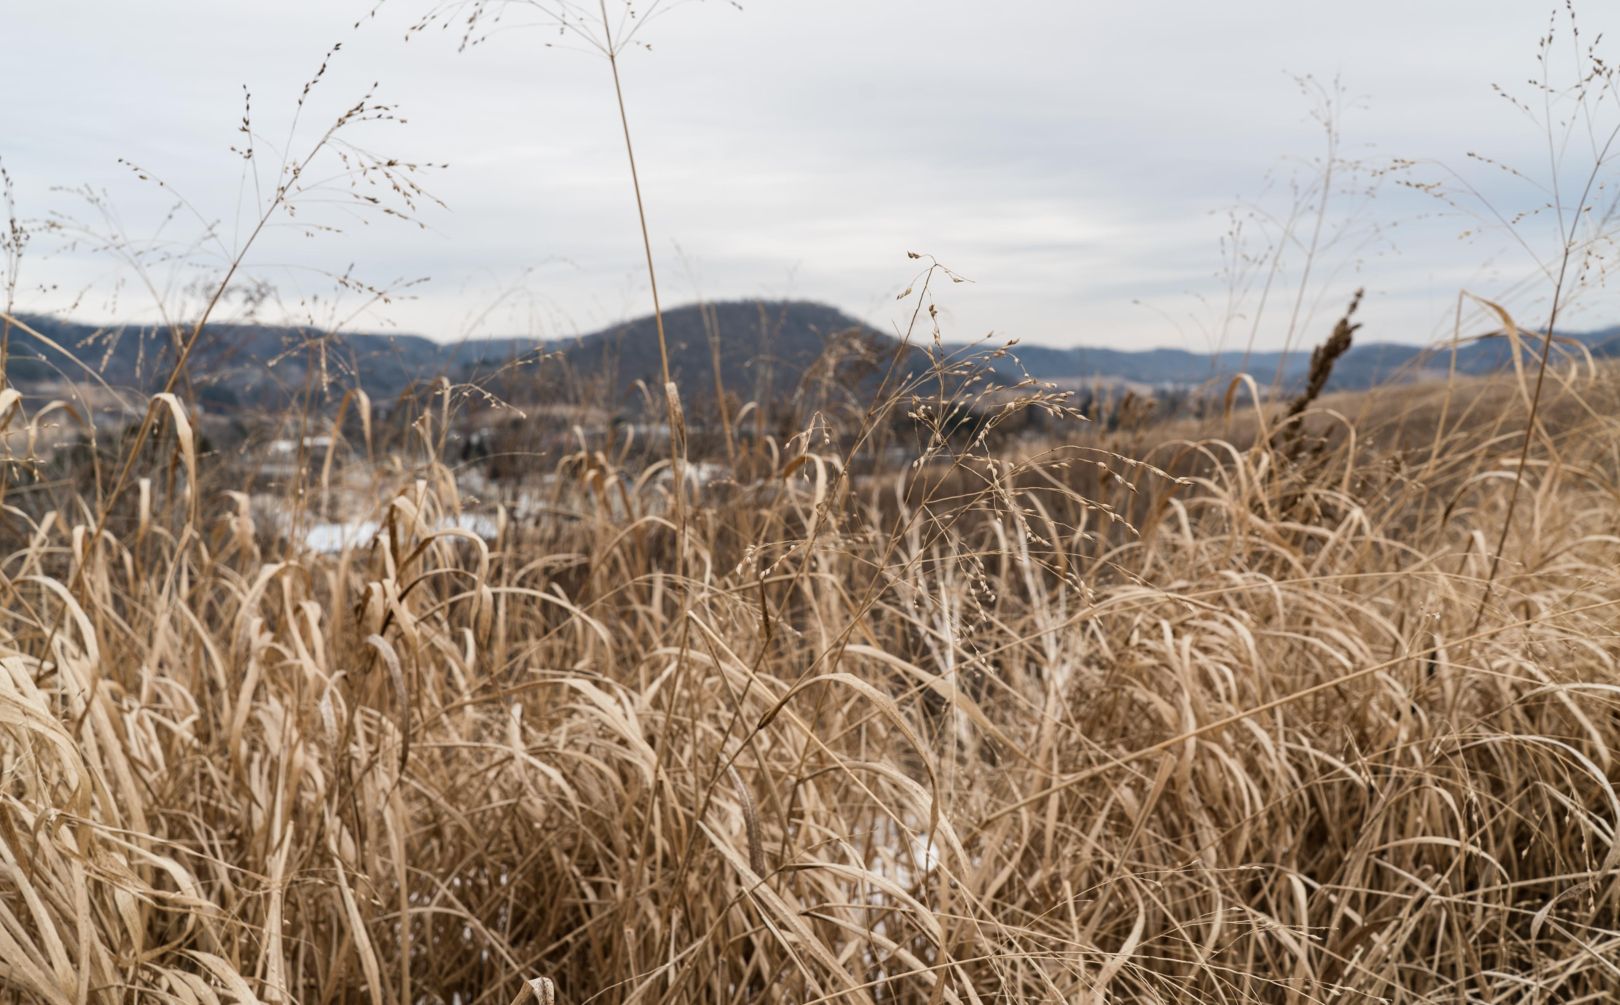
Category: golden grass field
<point>1191,712</point>
<point>1290,703</point>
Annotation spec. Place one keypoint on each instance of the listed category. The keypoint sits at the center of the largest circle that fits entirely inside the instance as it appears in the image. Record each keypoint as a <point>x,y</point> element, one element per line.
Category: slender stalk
<point>641,216</point>
<point>1310,254</point>
<point>1524,450</point>
<point>1558,295</point>
<point>677,426</point>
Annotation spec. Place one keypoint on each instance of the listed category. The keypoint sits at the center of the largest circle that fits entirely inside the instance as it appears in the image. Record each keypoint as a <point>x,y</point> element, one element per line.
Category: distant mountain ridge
<point>762,347</point>
<point>758,347</point>
<point>1364,365</point>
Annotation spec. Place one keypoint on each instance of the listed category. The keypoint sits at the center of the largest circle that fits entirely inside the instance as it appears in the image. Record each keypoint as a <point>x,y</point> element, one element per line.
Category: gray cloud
<point>1072,158</point>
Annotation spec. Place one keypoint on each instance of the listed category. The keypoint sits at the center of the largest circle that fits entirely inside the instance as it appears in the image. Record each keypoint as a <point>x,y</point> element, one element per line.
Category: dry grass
<point>1308,705</point>
<point>952,735</point>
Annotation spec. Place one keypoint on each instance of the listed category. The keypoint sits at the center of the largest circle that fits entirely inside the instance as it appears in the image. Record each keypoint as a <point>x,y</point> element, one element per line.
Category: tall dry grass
<point>1306,705</point>
<point>1210,722</point>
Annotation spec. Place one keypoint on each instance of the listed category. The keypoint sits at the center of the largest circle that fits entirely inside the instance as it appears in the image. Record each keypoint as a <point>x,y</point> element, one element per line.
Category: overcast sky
<point>1075,160</point>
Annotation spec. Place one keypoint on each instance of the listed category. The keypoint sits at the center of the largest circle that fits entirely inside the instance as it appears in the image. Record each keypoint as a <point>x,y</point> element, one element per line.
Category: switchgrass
<point>1165,719</point>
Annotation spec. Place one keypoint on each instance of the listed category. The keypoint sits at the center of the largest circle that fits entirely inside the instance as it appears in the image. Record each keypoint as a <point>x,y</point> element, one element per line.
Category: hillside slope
<point>763,348</point>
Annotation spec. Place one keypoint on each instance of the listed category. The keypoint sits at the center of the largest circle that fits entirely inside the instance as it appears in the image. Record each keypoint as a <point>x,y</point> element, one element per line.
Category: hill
<point>760,348</point>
